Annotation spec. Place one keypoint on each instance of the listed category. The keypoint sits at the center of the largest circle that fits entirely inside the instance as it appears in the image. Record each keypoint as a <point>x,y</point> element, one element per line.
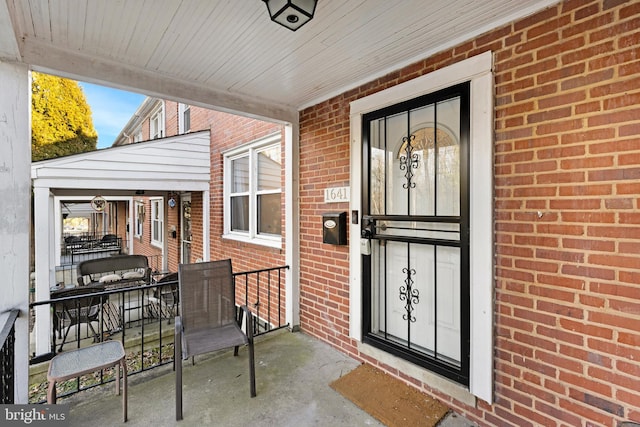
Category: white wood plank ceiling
<point>228,53</point>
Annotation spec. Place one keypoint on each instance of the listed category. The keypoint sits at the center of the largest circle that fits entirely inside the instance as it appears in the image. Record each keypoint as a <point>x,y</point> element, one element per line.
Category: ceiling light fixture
<point>292,14</point>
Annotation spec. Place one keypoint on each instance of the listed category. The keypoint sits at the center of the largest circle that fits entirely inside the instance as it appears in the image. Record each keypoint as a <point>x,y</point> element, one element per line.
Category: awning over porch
<point>179,163</point>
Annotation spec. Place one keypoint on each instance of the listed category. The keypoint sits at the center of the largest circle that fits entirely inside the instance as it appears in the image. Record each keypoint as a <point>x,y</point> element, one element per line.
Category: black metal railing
<point>7,357</point>
<point>262,291</point>
<point>79,248</point>
<point>141,317</point>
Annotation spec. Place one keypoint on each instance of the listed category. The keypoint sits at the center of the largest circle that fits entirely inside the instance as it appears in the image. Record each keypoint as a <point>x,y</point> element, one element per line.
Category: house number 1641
<point>335,195</point>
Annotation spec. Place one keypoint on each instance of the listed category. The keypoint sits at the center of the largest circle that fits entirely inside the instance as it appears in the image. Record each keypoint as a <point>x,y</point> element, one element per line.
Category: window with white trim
<point>253,190</point>
<point>139,219</point>
<point>157,221</point>
<point>184,118</point>
<point>137,136</point>
<point>156,125</point>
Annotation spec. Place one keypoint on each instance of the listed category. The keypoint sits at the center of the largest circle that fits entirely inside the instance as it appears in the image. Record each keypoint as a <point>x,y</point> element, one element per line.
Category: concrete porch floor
<point>293,372</point>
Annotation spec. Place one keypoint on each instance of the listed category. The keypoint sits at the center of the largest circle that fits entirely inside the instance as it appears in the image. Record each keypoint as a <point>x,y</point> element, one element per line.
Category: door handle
<point>367,233</point>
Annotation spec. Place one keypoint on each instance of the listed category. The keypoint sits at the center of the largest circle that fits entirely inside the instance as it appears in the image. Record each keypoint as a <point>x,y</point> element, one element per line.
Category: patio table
<point>75,363</point>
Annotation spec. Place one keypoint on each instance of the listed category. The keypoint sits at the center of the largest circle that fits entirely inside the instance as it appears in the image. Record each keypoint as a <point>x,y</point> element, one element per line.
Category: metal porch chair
<point>209,319</point>
<point>84,308</point>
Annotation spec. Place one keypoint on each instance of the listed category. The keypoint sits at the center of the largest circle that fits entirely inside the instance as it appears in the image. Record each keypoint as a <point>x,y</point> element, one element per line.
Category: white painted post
<point>45,272</point>
<point>206,226</point>
<point>15,193</point>
<point>292,224</point>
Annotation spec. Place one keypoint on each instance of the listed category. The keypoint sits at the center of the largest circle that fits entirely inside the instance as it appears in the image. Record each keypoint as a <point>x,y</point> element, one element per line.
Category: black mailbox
<point>334,228</point>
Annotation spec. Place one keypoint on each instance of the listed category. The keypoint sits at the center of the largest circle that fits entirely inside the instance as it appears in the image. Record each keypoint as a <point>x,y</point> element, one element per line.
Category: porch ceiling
<point>229,55</point>
<point>179,163</point>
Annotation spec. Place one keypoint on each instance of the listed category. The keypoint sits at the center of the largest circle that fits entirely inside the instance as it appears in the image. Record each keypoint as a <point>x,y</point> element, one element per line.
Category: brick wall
<point>229,131</point>
<point>170,118</point>
<point>146,131</point>
<point>567,221</point>
<point>173,243</point>
<point>142,245</point>
<point>122,213</point>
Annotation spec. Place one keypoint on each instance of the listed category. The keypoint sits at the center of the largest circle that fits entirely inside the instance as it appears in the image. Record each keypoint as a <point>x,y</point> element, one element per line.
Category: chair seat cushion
<point>133,275</point>
<point>206,340</point>
<point>110,278</point>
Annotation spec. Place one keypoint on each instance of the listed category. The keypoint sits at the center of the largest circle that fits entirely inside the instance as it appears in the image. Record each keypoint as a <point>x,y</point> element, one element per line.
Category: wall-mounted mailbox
<point>334,228</point>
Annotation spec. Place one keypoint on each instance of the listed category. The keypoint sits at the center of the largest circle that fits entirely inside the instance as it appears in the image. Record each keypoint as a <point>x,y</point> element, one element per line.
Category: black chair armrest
<point>249,316</point>
<point>177,340</point>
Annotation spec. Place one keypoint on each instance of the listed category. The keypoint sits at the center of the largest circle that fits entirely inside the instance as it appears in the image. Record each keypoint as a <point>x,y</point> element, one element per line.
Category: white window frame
<point>156,123</point>
<point>137,136</point>
<point>249,150</point>
<point>157,221</point>
<point>478,71</point>
<point>139,219</point>
<point>182,110</point>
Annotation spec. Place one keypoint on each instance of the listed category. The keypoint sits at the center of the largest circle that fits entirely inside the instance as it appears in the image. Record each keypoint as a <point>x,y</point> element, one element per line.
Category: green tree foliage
<point>61,121</point>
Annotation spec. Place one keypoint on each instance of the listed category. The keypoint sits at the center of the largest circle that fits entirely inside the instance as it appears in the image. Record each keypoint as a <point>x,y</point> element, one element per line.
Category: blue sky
<point>111,109</point>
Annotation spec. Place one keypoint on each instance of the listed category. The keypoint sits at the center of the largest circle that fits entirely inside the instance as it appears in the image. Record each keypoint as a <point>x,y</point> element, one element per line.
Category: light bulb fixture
<point>292,14</point>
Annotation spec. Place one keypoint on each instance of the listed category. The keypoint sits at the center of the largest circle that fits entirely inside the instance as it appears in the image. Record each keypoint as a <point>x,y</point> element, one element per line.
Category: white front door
<point>416,218</point>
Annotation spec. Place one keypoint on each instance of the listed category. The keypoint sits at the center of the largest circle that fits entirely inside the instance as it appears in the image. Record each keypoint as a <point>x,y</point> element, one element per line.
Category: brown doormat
<point>388,399</point>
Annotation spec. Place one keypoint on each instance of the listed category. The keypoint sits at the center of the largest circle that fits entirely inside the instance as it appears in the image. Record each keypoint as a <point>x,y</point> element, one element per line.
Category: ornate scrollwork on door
<point>409,160</point>
<point>409,294</point>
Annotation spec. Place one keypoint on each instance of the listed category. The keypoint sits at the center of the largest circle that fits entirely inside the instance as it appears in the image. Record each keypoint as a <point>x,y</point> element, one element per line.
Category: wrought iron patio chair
<point>209,319</point>
<point>85,308</point>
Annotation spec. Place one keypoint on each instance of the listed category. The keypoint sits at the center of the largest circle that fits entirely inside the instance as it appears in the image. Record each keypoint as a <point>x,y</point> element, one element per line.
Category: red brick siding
<point>229,131</point>
<point>146,130</point>
<point>170,118</point>
<point>142,245</point>
<point>121,224</point>
<point>173,243</point>
<point>567,144</point>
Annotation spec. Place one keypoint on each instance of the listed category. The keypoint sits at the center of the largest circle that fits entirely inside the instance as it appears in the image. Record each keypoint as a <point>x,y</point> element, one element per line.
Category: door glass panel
<point>447,139</point>
<point>421,138</point>
<point>448,302</point>
<point>397,201</point>
<point>378,172</point>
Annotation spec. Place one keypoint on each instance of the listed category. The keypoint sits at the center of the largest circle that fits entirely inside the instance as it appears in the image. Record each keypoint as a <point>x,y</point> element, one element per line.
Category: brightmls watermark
<point>34,415</point>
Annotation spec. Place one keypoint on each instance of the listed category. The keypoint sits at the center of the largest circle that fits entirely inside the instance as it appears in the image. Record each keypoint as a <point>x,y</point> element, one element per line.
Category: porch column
<point>45,268</point>
<point>131,224</point>
<point>206,225</point>
<point>15,193</point>
<point>292,223</point>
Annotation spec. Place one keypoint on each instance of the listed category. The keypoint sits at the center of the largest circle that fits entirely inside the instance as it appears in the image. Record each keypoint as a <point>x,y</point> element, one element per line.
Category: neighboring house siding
<point>123,215</point>
<point>145,129</point>
<point>227,131</point>
<point>567,168</point>
<point>171,118</point>
<point>173,243</point>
